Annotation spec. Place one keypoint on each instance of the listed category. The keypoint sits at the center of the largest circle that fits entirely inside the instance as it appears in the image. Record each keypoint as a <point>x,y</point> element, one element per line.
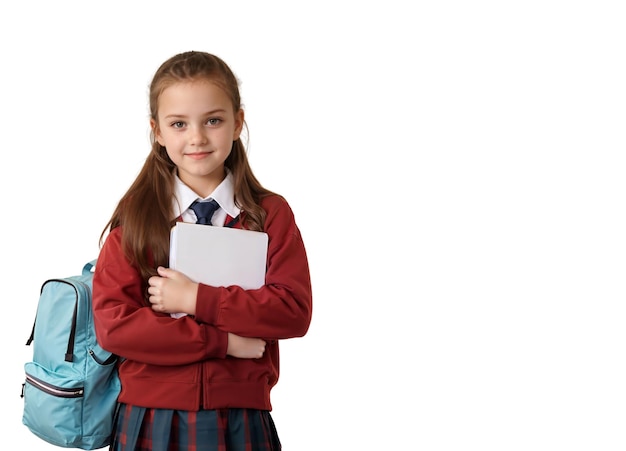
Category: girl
<point>198,381</point>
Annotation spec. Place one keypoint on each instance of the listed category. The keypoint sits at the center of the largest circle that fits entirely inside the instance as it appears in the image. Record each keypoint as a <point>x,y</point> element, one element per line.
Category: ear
<point>155,131</point>
<point>239,120</point>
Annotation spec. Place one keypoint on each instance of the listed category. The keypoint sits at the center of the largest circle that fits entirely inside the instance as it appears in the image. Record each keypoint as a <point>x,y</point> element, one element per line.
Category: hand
<point>172,292</point>
<point>245,348</point>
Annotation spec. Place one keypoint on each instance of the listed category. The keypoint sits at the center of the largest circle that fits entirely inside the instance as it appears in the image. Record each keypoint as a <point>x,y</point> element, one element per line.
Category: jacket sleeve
<point>280,309</point>
<point>126,326</point>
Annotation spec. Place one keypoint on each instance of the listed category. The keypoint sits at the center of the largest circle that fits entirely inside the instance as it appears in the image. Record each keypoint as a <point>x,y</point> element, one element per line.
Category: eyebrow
<point>208,113</point>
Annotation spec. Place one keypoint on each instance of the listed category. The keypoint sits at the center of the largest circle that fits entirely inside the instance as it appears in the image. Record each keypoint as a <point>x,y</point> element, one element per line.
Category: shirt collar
<point>224,194</point>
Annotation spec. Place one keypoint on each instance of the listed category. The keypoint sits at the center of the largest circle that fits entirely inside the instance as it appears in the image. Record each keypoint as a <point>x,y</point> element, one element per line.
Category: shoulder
<point>279,220</point>
<point>277,208</point>
<point>114,237</point>
<point>274,201</point>
<point>112,247</point>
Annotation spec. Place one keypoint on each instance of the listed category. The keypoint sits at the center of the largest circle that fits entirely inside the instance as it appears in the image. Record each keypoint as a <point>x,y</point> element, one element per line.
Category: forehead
<point>194,96</point>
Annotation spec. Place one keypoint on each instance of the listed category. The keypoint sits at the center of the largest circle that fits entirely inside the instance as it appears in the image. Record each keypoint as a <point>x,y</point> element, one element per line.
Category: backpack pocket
<point>53,405</point>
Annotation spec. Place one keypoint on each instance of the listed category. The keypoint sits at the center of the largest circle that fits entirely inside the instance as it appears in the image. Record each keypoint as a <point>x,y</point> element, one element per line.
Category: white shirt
<point>224,194</point>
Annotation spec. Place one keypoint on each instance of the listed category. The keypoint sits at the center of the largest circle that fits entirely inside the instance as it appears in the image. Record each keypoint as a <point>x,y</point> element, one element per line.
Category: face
<point>197,126</point>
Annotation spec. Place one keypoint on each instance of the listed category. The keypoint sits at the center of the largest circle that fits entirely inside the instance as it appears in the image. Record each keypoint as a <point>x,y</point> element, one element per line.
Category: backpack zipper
<point>112,358</point>
<point>54,390</point>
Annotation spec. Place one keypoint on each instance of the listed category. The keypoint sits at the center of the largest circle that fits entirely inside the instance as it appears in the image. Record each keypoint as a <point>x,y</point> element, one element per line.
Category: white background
<point>456,169</point>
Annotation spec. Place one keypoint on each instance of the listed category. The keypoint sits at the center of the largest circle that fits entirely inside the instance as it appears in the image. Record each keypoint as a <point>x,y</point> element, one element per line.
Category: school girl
<point>198,361</point>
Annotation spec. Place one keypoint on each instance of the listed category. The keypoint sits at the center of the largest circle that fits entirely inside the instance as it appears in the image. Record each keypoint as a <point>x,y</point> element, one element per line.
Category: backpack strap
<point>89,267</point>
<point>232,222</point>
<point>69,355</point>
<point>32,334</point>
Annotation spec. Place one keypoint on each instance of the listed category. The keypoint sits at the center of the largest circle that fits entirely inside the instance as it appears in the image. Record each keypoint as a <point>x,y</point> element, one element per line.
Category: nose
<point>197,136</point>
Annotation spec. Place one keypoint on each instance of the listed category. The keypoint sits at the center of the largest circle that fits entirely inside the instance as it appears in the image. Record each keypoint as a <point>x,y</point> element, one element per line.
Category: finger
<point>172,274</point>
<point>164,272</point>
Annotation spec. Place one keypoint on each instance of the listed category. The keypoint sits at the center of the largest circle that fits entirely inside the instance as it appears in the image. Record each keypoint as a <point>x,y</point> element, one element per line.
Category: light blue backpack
<point>71,388</point>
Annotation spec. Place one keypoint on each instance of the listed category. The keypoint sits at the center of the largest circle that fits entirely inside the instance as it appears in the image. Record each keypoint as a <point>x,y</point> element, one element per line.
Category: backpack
<point>71,387</point>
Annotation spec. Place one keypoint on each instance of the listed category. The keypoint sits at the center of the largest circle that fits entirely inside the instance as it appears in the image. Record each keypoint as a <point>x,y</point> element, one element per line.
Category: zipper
<point>202,386</point>
<point>53,390</point>
<point>112,358</point>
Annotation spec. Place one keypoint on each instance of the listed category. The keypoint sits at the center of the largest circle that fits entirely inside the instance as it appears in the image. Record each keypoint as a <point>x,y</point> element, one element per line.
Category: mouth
<point>198,155</point>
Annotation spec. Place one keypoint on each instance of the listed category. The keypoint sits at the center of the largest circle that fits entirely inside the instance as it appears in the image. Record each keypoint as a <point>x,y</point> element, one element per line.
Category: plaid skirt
<point>143,429</point>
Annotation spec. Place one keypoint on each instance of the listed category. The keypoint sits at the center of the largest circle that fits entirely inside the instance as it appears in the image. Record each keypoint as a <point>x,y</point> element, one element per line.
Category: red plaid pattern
<point>143,429</point>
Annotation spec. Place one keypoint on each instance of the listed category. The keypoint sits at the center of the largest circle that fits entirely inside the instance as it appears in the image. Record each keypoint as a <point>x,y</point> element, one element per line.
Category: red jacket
<point>181,363</point>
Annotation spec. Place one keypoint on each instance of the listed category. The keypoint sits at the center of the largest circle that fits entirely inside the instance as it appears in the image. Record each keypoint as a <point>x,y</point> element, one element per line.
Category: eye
<point>214,121</point>
<point>178,124</point>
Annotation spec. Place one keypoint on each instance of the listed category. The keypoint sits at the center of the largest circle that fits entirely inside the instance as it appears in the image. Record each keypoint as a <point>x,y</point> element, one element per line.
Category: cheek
<point>170,153</point>
<point>168,139</point>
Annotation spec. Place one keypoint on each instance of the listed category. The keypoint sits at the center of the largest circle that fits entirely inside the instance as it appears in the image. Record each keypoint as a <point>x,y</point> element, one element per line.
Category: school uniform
<point>179,388</point>
<point>143,429</point>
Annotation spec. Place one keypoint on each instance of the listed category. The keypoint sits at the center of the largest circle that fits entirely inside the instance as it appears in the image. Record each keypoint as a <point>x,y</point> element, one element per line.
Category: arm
<point>172,291</point>
<point>282,307</point>
<point>127,327</point>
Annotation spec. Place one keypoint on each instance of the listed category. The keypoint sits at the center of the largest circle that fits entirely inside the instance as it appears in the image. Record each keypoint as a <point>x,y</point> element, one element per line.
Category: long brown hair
<point>145,212</point>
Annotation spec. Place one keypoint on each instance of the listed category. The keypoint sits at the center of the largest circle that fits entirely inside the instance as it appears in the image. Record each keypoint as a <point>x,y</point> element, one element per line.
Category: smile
<point>198,155</point>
